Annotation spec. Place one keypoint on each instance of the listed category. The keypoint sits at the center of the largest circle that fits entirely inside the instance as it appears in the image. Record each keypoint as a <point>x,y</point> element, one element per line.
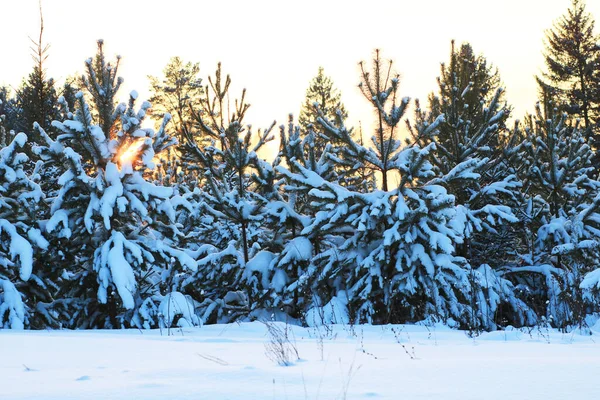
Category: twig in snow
<point>213,359</point>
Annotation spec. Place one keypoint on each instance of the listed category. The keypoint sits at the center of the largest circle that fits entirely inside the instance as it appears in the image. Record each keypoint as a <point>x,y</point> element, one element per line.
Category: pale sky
<point>273,48</point>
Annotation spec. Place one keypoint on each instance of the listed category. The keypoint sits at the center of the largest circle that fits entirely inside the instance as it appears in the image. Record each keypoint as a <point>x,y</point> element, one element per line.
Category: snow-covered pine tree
<point>472,137</point>
<point>380,87</point>
<point>69,93</point>
<point>20,238</point>
<point>115,228</point>
<point>112,231</point>
<point>232,206</point>
<point>391,257</point>
<point>473,132</point>
<point>561,216</point>
<point>296,148</point>
<point>392,254</point>
<point>277,275</point>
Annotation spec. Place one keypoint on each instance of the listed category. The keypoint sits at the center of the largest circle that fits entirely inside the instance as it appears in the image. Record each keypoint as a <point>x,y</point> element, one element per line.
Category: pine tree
<point>111,230</point>
<point>231,205</point>
<point>472,132</point>
<point>465,83</point>
<point>561,214</point>
<point>295,149</point>
<point>282,275</point>
<point>572,57</point>
<point>380,87</point>
<point>20,237</point>
<point>389,256</point>
<point>472,137</point>
<point>37,97</point>
<point>102,83</point>
<point>215,114</point>
<point>485,191</point>
<point>321,94</point>
<point>69,92</point>
<point>121,225</point>
<point>176,93</point>
<point>3,132</point>
<point>8,115</point>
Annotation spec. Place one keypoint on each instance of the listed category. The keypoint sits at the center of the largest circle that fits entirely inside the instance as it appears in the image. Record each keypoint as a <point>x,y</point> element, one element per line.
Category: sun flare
<point>131,152</point>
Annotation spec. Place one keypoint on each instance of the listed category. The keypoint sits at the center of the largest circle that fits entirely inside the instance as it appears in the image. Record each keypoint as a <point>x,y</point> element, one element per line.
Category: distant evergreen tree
<point>176,93</point>
<point>8,113</point>
<point>572,60</point>
<point>324,100</point>
<point>328,100</point>
<point>69,92</point>
<point>37,97</point>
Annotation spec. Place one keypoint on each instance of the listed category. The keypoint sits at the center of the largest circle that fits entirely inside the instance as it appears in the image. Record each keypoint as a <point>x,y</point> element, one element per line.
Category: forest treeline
<point>105,223</point>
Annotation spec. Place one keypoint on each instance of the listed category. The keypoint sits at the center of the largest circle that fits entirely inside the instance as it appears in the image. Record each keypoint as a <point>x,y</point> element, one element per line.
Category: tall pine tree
<point>472,132</point>
<point>112,231</point>
<point>37,96</point>
<point>572,58</point>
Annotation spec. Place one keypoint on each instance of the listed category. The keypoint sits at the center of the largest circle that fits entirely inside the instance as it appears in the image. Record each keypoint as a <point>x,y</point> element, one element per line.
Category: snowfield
<point>364,362</point>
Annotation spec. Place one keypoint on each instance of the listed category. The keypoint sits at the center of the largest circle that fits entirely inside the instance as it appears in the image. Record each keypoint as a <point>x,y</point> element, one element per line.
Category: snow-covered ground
<point>365,362</point>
